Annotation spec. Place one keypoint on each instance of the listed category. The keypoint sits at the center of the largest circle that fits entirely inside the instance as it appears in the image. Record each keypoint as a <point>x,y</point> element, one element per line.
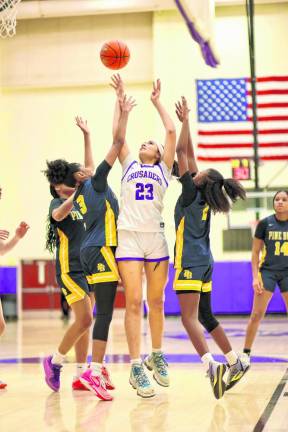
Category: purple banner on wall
<point>8,280</point>
<point>232,291</point>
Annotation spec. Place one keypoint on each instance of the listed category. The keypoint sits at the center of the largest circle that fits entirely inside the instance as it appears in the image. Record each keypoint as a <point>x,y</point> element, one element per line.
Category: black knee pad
<point>209,322</point>
<point>101,326</point>
<point>206,317</point>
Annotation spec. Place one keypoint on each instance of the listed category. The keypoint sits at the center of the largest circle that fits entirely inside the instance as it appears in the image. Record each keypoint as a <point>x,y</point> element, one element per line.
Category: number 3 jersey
<point>142,191</point>
<point>274,234</point>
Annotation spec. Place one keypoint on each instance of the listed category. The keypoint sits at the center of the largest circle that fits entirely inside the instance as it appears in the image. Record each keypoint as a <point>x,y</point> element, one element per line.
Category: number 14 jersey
<point>142,191</point>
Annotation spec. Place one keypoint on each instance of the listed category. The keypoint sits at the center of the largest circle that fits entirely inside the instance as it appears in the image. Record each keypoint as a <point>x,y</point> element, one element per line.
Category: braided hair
<point>212,190</point>
<point>57,172</point>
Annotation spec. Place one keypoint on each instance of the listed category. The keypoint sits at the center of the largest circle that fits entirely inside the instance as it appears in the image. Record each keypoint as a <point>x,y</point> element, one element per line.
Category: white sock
<point>156,350</point>
<point>58,358</point>
<point>231,357</point>
<point>206,359</point>
<point>96,368</point>
<point>80,369</point>
<point>136,361</point>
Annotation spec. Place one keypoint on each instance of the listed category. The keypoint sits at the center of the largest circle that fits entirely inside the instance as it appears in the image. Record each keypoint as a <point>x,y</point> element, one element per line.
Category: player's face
<point>281,203</point>
<point>149,152</point>
<point>64,191</point>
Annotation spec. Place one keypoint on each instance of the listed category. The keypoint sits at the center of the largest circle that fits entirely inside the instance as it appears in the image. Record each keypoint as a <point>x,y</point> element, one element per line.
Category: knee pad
<point>208,320</point>
<point>101,326</point>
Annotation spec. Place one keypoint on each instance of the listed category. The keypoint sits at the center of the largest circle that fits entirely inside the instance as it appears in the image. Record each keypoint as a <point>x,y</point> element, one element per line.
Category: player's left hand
<point>22,230</point>
<point>82,124</point>
<point>127,104</point>
<point>182,109</point>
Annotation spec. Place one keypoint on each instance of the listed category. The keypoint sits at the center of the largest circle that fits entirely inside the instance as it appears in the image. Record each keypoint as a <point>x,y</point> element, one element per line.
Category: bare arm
<point>118,85</point>
<point>126,105</point>
<point>182,112</point>
<point>257,246</point>
<point>88,156</point>
<point>19,234</point>
<point>170,137</point>
<point>192,165</point>
<point>63,210</point>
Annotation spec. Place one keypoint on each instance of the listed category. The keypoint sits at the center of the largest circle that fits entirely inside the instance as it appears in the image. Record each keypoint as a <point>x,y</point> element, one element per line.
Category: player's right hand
<point>127,103</point>
<point>4,234</point>
<point>257,286</point>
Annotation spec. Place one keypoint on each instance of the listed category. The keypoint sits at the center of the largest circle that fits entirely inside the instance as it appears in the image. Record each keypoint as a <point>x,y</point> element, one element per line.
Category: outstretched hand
<point>22,230</point>
<point>118,85</point>
<point>82,124</point>
<point>127,104</point>
<point>182,109</point>
<point>155,95</point>
<point>4,234</point>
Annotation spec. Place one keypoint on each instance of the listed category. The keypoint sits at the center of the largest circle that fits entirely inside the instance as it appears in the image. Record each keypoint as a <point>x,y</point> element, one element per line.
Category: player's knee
<point>188,320</point>
<point>101,326</point>
<point>156,304</point>
<point>208,321</point>
<point>257,316</point>
<point>87,321</point>
<point>134,306</point>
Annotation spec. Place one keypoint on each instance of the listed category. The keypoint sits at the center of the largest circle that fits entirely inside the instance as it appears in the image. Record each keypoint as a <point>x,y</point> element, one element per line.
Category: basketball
<point>115,54</point>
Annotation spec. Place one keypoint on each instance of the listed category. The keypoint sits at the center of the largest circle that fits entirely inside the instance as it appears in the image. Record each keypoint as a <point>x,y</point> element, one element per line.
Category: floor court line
<point>271,404</point>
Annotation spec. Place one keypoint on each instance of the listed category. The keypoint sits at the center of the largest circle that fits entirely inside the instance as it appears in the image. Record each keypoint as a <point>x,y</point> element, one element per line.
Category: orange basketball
<point>115,54</point>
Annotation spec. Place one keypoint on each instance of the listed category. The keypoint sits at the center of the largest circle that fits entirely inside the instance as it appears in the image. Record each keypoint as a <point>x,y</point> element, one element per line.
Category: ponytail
<point>214,195</point>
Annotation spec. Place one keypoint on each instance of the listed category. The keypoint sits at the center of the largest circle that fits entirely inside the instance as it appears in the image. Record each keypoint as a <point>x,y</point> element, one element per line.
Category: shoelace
<point>160,362</point>
<point>141,377</point>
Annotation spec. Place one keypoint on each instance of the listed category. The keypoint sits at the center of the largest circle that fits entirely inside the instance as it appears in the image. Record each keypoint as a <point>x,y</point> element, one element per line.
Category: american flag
<point>225,129</point>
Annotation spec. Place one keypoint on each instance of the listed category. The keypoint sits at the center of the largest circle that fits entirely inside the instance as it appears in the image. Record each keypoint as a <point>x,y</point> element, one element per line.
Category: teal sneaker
<point>157,363</point>
<point>140,381</point>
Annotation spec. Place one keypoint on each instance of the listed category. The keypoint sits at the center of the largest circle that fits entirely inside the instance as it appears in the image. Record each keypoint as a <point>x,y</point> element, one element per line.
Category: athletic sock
<point>231,358</point>
<point>206,359</point>
<point>80,369</point>
<point>58,358</point>
<point>135,361</point>
<point>96,368</point>
<point>247,351</point>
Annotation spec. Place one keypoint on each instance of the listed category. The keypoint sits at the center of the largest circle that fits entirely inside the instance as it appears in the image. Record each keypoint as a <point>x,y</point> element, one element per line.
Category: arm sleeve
<point>261,230</point>
<point>55,203</point>
<point>189,190</point>
<point>99,180</point>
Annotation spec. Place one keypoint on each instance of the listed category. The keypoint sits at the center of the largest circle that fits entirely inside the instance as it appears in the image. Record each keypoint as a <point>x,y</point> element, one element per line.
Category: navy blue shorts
<point>270,279</point>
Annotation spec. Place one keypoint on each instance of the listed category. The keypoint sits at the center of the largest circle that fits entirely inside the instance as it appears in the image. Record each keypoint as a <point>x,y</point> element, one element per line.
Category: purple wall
<point>232,291</point>
<point>8,280</point>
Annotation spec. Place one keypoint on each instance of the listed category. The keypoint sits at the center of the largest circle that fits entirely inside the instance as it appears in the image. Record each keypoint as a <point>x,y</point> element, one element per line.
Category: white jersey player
<point>142,243</point>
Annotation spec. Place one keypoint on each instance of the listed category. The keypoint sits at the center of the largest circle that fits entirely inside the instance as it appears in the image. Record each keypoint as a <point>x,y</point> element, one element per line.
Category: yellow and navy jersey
<point>192,224</point>
<point>70,232</point>
<point>99,208</point>
<point>274,234</point>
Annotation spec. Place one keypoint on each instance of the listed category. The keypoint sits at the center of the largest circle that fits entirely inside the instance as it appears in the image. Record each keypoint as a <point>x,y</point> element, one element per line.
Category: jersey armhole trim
<point>129,167</point>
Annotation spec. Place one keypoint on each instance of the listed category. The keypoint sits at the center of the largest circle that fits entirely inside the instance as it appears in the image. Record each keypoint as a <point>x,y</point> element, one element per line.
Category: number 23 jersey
<point>142,191</point>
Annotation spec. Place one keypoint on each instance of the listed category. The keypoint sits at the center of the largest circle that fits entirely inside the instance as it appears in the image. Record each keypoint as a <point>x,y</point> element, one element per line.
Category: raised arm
<point>170,136</point>
<point>19,234</point>
<point>61,212</point>
<point>126,105</point>
<point>182,112</point>
<point>192,165</point>
<point>118,85</point>
<point>88,156</point>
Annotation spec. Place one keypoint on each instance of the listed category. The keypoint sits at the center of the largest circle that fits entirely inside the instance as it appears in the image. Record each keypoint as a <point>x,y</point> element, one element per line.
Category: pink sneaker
<point>2,385</point>
<point>106,377</point>
<point>95,384</point>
